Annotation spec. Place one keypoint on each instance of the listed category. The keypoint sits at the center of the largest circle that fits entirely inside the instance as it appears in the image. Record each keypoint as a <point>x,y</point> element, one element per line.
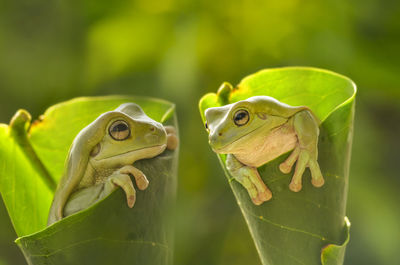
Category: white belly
<point>276,143</point>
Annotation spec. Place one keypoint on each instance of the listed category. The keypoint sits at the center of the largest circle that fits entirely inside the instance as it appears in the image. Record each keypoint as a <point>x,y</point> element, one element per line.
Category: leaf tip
<point>168,114</point>
<point>20,122</point>
<point>208,100</point>
<point>224,91</point>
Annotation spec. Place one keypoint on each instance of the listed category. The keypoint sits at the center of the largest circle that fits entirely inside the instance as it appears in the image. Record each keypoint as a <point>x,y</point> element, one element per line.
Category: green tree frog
<point>101,156</point>
<point>257,130</point>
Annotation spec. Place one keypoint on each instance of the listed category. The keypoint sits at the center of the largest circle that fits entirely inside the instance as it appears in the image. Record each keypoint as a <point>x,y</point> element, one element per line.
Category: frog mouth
<point>225,148</point>
<point>137,154</point>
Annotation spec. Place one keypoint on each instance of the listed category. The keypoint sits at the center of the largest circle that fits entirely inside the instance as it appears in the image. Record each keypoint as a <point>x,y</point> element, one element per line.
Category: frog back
<point>272,106</point>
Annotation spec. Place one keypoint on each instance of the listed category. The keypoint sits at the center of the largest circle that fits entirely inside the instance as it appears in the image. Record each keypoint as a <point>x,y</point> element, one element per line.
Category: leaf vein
<point>292,229</point>
<point>283,252</point>
<point>103,239</point>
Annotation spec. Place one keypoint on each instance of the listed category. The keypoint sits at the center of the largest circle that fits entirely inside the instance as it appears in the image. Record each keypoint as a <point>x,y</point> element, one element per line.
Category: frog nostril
<point>220,134</point>
<point>152,128</point>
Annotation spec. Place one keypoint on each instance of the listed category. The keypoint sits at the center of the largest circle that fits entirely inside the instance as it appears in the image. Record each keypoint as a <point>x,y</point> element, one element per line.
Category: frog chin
<point>129,157</point>
<point>233,147</point>
<point>238,144</point>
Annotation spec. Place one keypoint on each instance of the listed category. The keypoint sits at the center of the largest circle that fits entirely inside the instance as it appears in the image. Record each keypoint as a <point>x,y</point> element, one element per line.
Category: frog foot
<point>304,159</point>
<point>250,180</point>
<point>262,197</point>
<point>255,186</point>
<point>172,139</point>
<point>122,179</point>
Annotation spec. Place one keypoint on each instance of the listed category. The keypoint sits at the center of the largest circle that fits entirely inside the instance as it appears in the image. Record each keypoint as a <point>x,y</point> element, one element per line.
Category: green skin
<point>269,129</point>
<point>97,163</point>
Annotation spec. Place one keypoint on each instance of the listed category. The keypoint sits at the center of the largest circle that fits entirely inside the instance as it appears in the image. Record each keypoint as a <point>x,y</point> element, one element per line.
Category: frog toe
<point>257,201</point>
<point>172,141</point>
<point>318,182</point>
<point>316,176</point>
<point>284,168</point>
<point>265,195</point>
<point>172,138</point>
<point>131,201</point>
<point>124,181</point>
<point>296,187</point>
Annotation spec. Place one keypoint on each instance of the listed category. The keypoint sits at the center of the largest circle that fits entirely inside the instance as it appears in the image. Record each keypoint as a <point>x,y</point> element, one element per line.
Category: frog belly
<point>276,143</point>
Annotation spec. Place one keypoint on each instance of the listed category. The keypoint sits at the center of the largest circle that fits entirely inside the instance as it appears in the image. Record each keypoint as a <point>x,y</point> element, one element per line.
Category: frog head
<point>233,126</point>
<point>128,135</point>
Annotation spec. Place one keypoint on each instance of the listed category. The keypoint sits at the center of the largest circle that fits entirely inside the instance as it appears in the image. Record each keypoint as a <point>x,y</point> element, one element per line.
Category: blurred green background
<point>51,51</point>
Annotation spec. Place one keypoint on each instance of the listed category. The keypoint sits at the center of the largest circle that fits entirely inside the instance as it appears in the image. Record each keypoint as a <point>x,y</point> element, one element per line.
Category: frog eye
<point>119,130</point>
<point>241,117</point>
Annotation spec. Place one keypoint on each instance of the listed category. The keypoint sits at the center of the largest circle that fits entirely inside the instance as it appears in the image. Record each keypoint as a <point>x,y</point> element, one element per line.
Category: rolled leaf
<point>303,227</point>
<point>106,233</point>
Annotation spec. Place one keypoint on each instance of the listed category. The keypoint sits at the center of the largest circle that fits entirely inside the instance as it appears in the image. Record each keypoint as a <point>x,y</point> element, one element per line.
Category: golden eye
<point>241,117</point>
<point>119,130</point>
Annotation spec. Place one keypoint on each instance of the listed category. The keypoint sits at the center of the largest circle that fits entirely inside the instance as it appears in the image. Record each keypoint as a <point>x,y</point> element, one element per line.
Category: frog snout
<point>215,137</point>
<point>154,134</point>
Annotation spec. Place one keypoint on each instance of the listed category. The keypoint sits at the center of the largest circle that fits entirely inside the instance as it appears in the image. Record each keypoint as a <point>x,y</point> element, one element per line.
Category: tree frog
<point>101,156</point>
<point>254,131</point>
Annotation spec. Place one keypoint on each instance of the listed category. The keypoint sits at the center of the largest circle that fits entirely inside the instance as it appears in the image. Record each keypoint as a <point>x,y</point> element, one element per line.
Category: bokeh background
<point>51,51</point>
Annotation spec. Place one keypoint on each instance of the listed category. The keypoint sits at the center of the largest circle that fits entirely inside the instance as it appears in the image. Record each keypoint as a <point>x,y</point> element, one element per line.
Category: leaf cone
<point>308,227</point>
<point>106,233</point>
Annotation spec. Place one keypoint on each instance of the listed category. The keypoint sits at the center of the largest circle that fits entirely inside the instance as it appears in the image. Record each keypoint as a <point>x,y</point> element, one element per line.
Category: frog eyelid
<point>233,112</point>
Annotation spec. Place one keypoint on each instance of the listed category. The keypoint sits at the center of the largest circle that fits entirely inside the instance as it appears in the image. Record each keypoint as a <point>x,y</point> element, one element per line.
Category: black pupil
<point>120,127</point>
<point>241,115</point>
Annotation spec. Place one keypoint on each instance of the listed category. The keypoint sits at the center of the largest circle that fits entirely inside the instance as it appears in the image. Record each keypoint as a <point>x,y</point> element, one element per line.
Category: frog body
<point>279,141</point>
<point>254,131</point>
<point>101,156</point>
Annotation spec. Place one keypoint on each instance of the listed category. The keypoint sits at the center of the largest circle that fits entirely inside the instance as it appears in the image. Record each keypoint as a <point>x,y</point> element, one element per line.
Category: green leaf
<point>334,254</point>
<point>24,191</point>
<point>293,228</point>
<point>106,233</point>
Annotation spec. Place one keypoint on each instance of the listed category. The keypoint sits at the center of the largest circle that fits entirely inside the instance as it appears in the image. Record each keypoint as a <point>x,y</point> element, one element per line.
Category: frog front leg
<point>305,152</point>
<point>85,197</point>
<point>249,178</point>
